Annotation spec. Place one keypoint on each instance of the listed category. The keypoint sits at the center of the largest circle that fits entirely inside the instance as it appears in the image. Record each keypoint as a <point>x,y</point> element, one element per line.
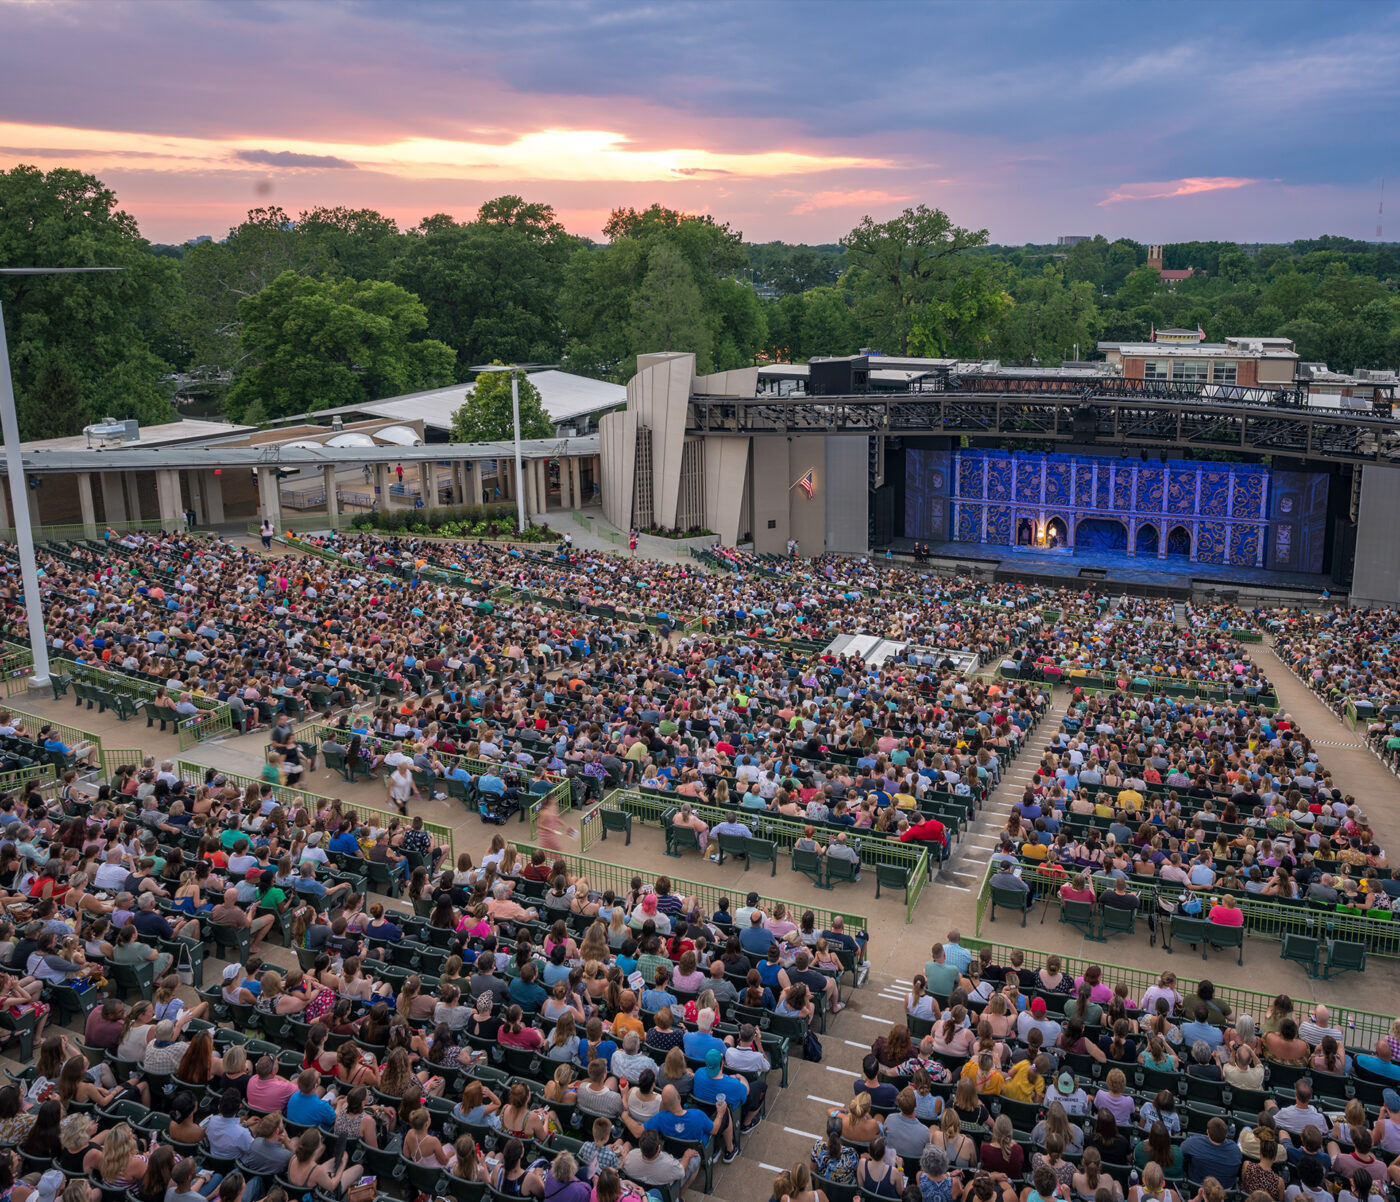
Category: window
<point>1191,371</point>
<point>1154,369</point>
<point>1226,371</point>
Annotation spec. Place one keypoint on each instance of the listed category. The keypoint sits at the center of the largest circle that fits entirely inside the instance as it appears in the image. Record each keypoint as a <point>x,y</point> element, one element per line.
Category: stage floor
<point>1119,567</point>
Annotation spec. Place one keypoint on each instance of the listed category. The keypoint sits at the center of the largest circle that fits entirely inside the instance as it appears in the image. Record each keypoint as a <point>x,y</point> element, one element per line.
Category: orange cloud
<point>1176,187</point>
<point>856,198</point>
<point>548,154</point>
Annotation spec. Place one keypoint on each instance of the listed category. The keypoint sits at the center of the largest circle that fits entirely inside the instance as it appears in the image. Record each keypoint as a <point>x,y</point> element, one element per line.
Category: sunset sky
<point>1260,121</point>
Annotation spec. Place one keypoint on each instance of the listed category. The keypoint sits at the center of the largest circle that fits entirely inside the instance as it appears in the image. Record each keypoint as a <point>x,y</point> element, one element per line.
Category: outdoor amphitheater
<point>479,869</point>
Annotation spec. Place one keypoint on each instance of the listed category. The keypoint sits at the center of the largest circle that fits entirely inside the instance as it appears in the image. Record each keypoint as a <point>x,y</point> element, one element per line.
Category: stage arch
<point>1148,539</point>
<point>1178,543</point>
<point>1056,533</point>
<point>1101,534</point>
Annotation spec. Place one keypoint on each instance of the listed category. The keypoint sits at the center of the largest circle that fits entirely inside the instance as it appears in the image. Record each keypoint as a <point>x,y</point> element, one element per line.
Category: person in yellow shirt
<point>984,1074</point>
<point>1034,849</point>
<point>1129,799</point>
<point>905,801</point>
<point>1026,1081</point>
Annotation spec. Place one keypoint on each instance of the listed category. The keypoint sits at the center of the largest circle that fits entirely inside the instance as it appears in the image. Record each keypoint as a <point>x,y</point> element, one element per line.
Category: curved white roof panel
<point>351,438</point>
<point>399,436</point>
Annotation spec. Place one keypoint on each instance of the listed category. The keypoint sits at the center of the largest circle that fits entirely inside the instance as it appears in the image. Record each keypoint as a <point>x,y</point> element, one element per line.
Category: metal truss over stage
<point>1245,420</point>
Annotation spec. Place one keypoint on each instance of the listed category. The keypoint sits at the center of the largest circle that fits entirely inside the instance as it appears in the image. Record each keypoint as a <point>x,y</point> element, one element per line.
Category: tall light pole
<point>515,369</point>
<point>19,499</point>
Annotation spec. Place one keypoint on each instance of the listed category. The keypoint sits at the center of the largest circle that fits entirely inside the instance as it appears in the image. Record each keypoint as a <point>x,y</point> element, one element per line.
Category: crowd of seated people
<point>636,1018</point>
<point>1014,1083</point>
<point>1213,798</point>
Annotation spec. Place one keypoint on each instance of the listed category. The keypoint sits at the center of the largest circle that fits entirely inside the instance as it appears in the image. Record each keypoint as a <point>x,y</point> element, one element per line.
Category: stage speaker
<point>1085,425</point>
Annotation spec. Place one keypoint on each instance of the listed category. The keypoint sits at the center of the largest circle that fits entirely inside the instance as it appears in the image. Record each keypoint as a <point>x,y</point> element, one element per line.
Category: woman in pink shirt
<point>515,1034</point>
<point>1227,912</point>
<point>1098,991</point>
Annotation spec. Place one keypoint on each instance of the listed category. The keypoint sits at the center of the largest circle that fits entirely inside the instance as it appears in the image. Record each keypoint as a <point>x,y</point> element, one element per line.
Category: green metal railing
<point>78,530</point>
<point>114,757</point>
<point>1264,918</point>
<point>1363,1027</point>
<point>45,775</point>
<point>72,735</point>
<point>590,827</point>
<point>618,877</point>
<point>290,795</point>
<point>651,811</point>
<point>214,718</point>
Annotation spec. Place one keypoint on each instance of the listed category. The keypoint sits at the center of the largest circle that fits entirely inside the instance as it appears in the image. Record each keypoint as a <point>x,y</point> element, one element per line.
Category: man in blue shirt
<point>700,1043</point>
<point>1213,1154</point>
<point>525,991</point>
<point>344,844</point>
<point>711,1084</point>
<point>674,1121</point>
<point>756,939</point>
<point>1201,1029</point>
<point>308,1108</point>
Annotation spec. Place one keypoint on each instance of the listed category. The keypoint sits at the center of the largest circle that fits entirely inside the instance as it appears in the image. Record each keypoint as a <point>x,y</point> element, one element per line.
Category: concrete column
<point>381,485</point>
<point>566,501</point>
<point>33,504</point>
<point>133,496</point>
<point>86,503</point>
<point>427,484</point>
<point>270,496</point>
<point>113,498</point>
<point>576,478</point>
<point>211,489</point>
<point>542,483</point>
<point>168,494</point>
<point>332,497</point>
<point>528,500</point>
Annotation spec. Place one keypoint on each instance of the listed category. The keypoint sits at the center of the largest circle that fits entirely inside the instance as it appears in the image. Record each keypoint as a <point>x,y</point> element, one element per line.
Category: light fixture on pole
<point>515,369</point>
<point>19,500</point>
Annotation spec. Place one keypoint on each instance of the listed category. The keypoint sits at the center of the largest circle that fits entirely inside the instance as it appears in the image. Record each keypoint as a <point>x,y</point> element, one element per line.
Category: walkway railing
<point>1264,918</point>
<point>1363,1027</point>
<point>618,877</point>
<point>785,832</point>
<point>289,796</point>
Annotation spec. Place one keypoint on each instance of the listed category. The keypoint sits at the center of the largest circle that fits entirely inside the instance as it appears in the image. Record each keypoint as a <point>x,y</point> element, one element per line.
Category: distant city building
<point>1073,239</point>
<point>1361,389</point>
<point>195,241</point>
<point>1169,276</point>
<point>1183,357</point>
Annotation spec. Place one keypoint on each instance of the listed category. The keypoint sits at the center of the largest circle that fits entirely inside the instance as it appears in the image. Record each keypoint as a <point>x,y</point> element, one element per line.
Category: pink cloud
<point>1176,187</point>
<point>841,199</point>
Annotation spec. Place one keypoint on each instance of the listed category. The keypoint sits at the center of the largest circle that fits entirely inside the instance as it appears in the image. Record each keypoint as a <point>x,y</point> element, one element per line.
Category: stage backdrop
<point>1209,512</point>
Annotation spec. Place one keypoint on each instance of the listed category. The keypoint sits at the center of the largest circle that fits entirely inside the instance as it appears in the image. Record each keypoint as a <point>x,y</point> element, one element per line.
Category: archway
<point>1148,539</point>
<point>1101,534</point>
<point>1179,543</point>
<point>1056,533</point>
<point>1025,533</point>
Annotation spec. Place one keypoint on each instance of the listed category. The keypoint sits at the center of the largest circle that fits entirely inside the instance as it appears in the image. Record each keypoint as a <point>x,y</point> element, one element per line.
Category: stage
<point>1176,575</point>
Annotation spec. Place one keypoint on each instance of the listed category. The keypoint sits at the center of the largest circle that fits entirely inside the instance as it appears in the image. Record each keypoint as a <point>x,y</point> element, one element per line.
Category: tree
<point>358,243</point>
<point>488,413</point>
<point>961,319</point>
<point>317,344</point>
<point>79,345</point>
<point>905,270</point>
<point>491,287</point>
<point>668,313</point>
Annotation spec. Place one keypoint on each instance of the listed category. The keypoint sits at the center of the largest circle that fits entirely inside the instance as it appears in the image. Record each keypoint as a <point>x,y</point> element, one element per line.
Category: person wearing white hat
<point>234,991</point>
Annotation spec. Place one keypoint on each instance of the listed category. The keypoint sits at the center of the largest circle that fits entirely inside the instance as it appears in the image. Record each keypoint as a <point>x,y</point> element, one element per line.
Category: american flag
<point>807,482</point>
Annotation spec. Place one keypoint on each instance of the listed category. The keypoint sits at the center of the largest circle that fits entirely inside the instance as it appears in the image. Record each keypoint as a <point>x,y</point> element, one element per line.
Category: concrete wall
<point>835,518</point>
<point>770,482</point>
<point>659,396</point>
<point>726,487</point>
<point>617,435</point>
<point>847,493</point>
<point>1376,577</point>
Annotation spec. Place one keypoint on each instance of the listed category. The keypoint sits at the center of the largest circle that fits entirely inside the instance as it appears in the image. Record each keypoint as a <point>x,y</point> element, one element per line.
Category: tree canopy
<point>333,305</point>
<point>487,415</point>
<point>82,347</point>
<point>318,344</point>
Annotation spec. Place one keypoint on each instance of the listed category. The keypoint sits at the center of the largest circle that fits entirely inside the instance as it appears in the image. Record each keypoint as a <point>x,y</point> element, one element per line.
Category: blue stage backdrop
<point>1224,513</point>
